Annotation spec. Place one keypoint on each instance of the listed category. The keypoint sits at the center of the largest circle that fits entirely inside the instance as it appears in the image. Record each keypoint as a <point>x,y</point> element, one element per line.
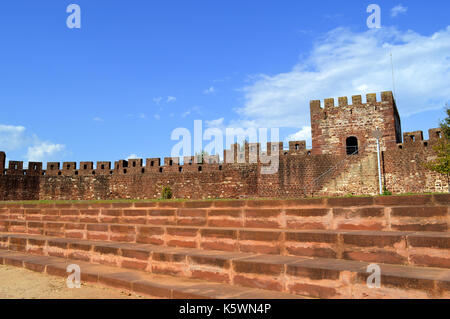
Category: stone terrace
<point>314,248</point>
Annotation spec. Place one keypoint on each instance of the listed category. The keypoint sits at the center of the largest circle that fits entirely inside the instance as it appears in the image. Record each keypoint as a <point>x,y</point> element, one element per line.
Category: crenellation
<point>356,100</point>
<point>188,160</point>
<point>340,135</point>
<point>69,166</point>
<point>86,166</point>
<point>34,169</point>
<point>371,98</point>
<point>274,147</point>
<point>415,137</point>
<point>297,147</point>
<point>120,164</point>
<point>387,97</point>
<point>435,134</point>
<point>343,101</point>
<point>254,150</point>
<point>329,103</point>
<point>52,168</point>
<point>315,106</point>
<point>135,163</point>
<point>211,159</point>
<point>338,130</point>
<point>15,168</point>
<point>152,163</point>
<point>171,161</point>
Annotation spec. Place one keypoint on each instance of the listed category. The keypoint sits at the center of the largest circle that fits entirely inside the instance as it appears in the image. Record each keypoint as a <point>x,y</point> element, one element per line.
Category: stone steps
<point>397,213</point>
<point>392,247</point>
<point>139,282</point>
<point>312,277</point>
<point>318,248</point>
<point>402,218</point>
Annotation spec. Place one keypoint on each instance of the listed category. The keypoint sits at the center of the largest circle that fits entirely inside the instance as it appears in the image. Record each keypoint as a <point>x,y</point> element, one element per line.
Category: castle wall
<point>19,187</point>
<point>332,125</point>
<point>403,166</point>
<point>326,169</point>
<point>295,176</point>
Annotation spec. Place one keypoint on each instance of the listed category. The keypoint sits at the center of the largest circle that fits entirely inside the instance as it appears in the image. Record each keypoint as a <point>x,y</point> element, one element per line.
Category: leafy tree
<point>445,124</point>
<point>441,164</point>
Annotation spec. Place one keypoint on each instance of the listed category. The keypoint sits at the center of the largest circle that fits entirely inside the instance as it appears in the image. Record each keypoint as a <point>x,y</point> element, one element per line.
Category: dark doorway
<point>352,145</point>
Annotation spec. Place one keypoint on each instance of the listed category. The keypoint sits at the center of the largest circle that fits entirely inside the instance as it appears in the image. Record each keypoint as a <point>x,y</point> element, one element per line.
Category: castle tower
<point>2,162</point>
<point>348,129</point>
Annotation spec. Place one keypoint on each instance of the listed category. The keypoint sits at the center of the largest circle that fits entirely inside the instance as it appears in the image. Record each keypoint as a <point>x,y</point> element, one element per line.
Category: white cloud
<point>11,137</point>
<point>215,123</point>
<point>344,63</point>
<point>132,156</point>
<point>171,99</point>
<point>157,100</point>
<point>98,119</point>
<point>141,116</point>
<point>186,113</point>
<point>15,138</point>
<point>42,151</point>
<point>192,110</point>
<point>398,9</point>
<point>210,90</point>
<point>157,117</point>
<point>303,135</point>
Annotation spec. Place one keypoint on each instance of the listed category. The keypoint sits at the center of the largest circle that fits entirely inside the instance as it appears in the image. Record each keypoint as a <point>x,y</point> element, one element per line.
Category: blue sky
<point>136,70</point>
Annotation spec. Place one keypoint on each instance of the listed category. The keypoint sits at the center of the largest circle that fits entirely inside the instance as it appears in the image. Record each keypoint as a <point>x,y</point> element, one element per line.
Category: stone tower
<point>348,129</point>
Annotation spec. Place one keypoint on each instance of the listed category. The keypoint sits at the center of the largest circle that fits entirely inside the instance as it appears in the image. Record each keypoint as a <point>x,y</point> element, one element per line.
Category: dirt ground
<point>19,283</point>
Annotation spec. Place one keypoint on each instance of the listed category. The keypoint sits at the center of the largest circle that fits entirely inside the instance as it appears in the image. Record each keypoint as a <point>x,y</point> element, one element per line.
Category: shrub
<point>386,192</point>
<point>166,193</point>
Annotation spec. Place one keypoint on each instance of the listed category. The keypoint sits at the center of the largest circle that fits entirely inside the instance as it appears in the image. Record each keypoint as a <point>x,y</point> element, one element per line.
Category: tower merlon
<point>411,137</point>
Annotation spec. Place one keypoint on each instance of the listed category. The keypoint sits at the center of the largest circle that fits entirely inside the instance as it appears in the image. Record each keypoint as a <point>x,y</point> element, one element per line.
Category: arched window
<point>352,145</point>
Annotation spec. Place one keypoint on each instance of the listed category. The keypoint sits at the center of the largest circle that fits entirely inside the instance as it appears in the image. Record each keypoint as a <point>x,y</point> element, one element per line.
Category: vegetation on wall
<point>441,164</point>
<point>166,193</point>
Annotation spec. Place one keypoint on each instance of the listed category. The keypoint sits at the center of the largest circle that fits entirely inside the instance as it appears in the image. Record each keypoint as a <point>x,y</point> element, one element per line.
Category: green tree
<point>445,124</point>
<point>441,164</point>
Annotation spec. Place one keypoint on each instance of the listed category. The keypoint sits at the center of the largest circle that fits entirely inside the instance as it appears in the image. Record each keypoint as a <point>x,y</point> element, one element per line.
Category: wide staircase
<point>303,248</point>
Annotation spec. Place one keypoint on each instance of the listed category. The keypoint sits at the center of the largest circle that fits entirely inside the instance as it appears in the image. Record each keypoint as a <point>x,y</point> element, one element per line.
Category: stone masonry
<point>342,161</point>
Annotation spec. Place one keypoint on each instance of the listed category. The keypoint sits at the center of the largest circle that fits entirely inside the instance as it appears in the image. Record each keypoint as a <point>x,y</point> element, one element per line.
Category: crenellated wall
<point>332,125</point>
<point>403,166</point>
<point>326,169</point>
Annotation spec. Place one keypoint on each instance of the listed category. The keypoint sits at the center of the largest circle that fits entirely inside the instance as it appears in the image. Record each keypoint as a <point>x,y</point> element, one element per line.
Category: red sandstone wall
<point>324,170</point>
<point>332,125</point>
<point>299,174</point>
<point>404,170</point>
<point>13,187</point>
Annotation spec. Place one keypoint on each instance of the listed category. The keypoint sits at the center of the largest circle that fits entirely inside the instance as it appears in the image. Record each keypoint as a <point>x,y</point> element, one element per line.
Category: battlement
<point>415,139</point>
<point>248,153</point>
<point>371,98</point>
<point>345,128</point>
